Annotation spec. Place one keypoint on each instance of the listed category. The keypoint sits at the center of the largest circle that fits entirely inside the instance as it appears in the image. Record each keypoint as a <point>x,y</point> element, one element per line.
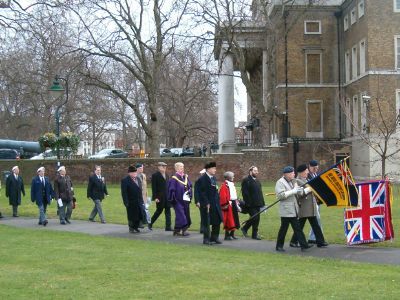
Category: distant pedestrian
<point>159,185</point>
<point>229,205</point>
<point>133,199</point>
<point>210,208</point>
<point>64,194</point>
<point>180,195</point>
<point>254,199</point>
<point>42,193</point>
<point>143,185</point>
<point>14,189</point>
<point>96,191</point>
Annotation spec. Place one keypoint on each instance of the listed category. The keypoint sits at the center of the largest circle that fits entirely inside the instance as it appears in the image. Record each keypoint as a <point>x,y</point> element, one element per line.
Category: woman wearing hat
<point>180,195</point>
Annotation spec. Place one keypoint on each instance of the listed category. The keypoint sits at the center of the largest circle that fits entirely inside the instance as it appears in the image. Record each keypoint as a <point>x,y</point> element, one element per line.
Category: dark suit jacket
<point>159,186</point>
<point>252,192</point>
<point>208,194</point>
<point>63,188</point>
<point>37,190</point>
<point>96,188</point>
<point>14,188</point>
<point>132,198</point>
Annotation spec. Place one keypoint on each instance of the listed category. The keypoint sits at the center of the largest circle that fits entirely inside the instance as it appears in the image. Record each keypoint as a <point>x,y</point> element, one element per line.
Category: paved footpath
<point>353,253</point>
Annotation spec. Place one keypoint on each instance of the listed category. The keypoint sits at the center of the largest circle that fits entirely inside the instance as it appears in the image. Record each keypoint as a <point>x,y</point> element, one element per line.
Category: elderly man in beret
<point>42,193</point>
<point>313,168</point>
<point>286,190</point>
<point>14,189</point>
<point>307,209</point>
<point>64,194</point>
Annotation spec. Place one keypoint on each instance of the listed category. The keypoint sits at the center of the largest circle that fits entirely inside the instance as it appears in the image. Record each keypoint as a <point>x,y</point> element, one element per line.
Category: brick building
<point>328,78</point>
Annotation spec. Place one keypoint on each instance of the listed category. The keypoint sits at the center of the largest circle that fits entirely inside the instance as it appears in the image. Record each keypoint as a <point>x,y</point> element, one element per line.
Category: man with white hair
<point>42,193</point>
<point>14,189</point>
<point>64,194</point>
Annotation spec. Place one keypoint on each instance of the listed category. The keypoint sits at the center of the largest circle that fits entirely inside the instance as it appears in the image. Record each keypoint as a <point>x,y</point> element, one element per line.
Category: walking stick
<point>261,211</point>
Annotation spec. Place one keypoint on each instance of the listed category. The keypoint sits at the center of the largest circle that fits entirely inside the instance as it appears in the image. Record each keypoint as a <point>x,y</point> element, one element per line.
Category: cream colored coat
<point>288,207</point>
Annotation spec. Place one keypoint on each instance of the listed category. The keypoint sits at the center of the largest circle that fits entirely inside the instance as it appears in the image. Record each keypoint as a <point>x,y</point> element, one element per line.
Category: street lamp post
<point>56,90</point>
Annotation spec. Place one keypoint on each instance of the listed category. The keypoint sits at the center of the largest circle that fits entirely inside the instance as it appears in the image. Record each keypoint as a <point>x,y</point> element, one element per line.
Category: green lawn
<point>44,264</point>
<point>332,218</point>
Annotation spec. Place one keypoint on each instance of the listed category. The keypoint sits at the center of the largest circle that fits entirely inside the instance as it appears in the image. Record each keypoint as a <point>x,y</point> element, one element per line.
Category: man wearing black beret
<point>313,168</point>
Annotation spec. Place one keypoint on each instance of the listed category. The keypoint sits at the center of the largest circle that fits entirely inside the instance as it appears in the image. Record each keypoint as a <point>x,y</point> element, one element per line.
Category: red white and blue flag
<point>371,221</point>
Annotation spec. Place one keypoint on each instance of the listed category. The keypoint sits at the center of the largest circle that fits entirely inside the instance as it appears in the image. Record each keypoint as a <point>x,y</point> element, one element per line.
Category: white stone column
<point>226,113</point>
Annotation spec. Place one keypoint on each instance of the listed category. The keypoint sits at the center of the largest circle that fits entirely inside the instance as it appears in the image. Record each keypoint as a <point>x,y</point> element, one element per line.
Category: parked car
<point>165,152</point>
<point>187,152</point>
<point>50,154</point>
<point>109,153</point>
<point>9,154</point>
<point>176,151</point>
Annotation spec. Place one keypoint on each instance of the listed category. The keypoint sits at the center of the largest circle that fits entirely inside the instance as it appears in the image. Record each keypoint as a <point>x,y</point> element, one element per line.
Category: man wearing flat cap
<point>133,199</point>
<point>42,193</point>
<point>210,208</point>
<point>286,190</point>
<point>14,189</point>
<point>64,194</point>
<point>254,199</point>
<point>159,185</point>
<point>307,208</point>
<point>313,168</point>
<point>143,185</point>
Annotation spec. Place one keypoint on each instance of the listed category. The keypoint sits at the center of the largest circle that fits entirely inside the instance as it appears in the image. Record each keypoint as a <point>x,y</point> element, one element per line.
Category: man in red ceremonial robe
<point>230,206</point>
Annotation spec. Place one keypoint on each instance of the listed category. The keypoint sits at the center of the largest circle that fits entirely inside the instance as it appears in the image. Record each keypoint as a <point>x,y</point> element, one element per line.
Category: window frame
<point>395,8</point>
<point>306,52</point>
<point>347,65</point>
<point>346,22</point>
<point>312,21</point>
<point>356,112</point>
<point>363,58</point>
<point>353,12</point>
<point>361,8</point>
<point>396,53</point>
<point>315,134</point>
<point>398,109</point>
<point>354,62</point>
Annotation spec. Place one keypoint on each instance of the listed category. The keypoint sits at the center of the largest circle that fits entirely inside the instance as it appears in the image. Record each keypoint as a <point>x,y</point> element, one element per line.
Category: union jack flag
<point>369,222</point>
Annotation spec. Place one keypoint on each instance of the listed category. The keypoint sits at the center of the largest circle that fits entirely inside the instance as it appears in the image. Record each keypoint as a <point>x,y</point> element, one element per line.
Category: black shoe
<point>233,235</point>
<point>280,249</point>
<point>40,223</point>
<point>294,245</point>
<point>257,237</point>
<point>15,216</point>
<point>217,241</point>
<point>91,220</point>
<point>168,229</point>
<point>68,221</point>
<point>307,247</point>
<point>150,227</point>
<point>103,222</point>
<point>63,223</point>
<point>45,222</point>
<point>206,242</point>
<point>185,233</point>
<point>244,232</point>
<point>134,230</point>
<point>312,241</point>
<point>228,238</point>
<point>324,244</point>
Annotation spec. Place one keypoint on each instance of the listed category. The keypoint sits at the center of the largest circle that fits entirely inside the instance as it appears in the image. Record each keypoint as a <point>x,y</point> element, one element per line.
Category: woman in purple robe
<point>180,194</point>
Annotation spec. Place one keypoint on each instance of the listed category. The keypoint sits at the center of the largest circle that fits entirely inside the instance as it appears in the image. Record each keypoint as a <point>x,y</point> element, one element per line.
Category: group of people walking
<point>216,204</point>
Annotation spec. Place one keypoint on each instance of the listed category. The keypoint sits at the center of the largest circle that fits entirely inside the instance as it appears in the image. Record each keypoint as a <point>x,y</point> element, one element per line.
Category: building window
<point>348,117</point>
<point>354,62</point>
<point>362,57</point>
<point>314,122</point>
<point>313,67</point>
<point>364,112</point>
<point>398,107</point>
<point>346,22</point>
<point>396,5</point>
<point>361,8</point>
<point>397,51</point>
<point>353,16</point>
<point>356,112</point>
<point>312,27</point>
<point>347,66</point>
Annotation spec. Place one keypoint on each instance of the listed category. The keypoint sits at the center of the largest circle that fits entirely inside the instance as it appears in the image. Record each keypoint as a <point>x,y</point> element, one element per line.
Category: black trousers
<point>205,225</point>
<point>133,222</point>
<point>294,222</point>
<point>319,236</point>
<point>167,211</point>
<point>254,222</point>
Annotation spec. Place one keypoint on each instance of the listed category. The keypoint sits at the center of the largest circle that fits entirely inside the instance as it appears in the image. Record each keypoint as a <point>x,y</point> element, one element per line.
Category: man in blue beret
<point>286,190</point>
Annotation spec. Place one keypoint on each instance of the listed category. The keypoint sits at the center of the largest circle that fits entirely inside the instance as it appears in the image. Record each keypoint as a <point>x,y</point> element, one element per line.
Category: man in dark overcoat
<point>14,189</point>
<point>159,186</point>
<point>42,193</point>
<point>133,199</point>
<point>64,194</point>
<point>254,199</point>
<point>96,191</point>
<point>210,208</point>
